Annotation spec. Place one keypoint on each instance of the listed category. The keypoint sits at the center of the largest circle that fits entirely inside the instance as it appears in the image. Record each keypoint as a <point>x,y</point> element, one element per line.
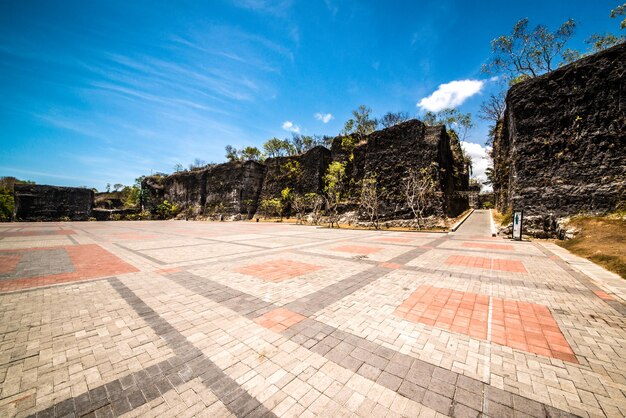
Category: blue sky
<point>96,92</point>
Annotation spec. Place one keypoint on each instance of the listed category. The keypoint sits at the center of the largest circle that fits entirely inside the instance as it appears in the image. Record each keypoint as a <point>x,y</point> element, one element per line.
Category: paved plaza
<point>215,319</point>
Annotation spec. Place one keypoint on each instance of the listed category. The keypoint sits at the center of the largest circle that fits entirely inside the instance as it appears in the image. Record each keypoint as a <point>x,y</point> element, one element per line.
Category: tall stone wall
<point>302,173</point>
<point>223,189</point>
<point>237,188</point>
<point>387,155</point>
<point>562,149</point>
<point>52,203</point>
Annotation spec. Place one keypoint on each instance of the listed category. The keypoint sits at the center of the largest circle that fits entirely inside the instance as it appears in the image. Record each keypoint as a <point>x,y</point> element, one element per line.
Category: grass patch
<point>601,240</point>
<point>503,219</point>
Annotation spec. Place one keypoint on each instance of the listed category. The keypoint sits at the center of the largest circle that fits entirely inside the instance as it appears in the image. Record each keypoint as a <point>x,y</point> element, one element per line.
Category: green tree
<point>334,190</point>
<point>275,147</point>
<point>270,207</point>
<point>528,53</point>
<point>361,123</point>
<point>394,118</point>
<point>620,11</point>
<point>459,124</point>
<point>166,210</point>
<point>231,153</point>
<point>251,154</point>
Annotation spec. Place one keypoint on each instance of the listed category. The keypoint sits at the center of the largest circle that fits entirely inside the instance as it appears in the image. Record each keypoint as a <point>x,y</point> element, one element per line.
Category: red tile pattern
<point>278,270</point>
<point>461,312</point>
<point>528,327</point>
<point>480,245</point>
<point>603,295</point>
<point>37,233</point>
<point>521,325</point>
<point>8,263</point>
<point>89,261</point>
<point>279,319</point>
<point>513,266</point>
<point>394,266</point>
<point>357,249</point>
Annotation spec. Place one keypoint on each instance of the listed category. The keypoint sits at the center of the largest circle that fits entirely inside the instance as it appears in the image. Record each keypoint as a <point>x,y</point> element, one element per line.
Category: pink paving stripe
<point>521,325</point>
<point>501,247</point>
<point>8,263</point>
<point>278,270</point>
<point>357,249</point>
<point>513,266</point>
<point>37,233</point>
<point>603,295</point>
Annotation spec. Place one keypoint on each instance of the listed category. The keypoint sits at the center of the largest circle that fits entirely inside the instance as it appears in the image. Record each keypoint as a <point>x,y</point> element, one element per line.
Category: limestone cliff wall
<point>301,173</point>
<point>237,188</point>
<point>387,156</point>
<point>223,189</point>
<point>52,203</point>
<point>563,143</point>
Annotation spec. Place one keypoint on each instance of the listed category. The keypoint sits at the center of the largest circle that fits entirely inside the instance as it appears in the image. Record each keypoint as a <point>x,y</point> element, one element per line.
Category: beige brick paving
<point>62,346</point>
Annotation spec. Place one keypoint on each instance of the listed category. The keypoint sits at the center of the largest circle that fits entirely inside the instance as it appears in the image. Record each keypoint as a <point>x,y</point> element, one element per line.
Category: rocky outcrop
<point>387,155</point>
<point>235,189</point>
<point>230,189</point>
<point>302,173</point>
<point>52,203</point>
<point>562,149</point>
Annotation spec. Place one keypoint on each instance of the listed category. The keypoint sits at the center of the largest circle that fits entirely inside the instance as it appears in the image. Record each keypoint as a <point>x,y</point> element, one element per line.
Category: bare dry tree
<point>370,199</point>
<point>419,188</point>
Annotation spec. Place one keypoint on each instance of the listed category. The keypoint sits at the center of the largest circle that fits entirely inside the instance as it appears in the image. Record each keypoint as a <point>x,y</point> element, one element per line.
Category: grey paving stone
<point>437,402</point>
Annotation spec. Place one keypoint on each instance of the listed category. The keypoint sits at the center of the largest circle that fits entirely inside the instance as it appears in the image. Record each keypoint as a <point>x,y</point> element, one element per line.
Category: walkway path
<point>264,319</point>
<point>477,224</point>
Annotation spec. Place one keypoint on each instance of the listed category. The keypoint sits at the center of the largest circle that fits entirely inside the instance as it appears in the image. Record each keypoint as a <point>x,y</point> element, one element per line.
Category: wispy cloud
<point>291,127</point>
<point>14,170</point>
<point>332,7</point>
<point>324,117</point>
<point>451,95</point>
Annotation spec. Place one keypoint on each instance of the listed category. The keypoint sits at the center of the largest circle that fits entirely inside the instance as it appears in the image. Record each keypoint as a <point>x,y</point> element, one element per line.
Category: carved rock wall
<point>564,140</point>
<point>51,203</point>
<point>230,189</point>
<point>301,173</point>
<point>386,155</point>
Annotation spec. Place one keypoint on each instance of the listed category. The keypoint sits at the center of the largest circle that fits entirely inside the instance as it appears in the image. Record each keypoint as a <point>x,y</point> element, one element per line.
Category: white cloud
<point>451,95</point>
<point>480,159</point>
<point>289,126</point>
<point>324,117</point>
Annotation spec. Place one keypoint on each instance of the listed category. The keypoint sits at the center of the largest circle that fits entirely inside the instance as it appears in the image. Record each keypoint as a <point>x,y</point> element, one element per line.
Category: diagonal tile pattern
<point>246,319</point>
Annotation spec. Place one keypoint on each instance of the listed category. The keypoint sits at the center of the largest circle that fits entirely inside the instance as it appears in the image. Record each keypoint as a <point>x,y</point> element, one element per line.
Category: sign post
<point>518,217</point>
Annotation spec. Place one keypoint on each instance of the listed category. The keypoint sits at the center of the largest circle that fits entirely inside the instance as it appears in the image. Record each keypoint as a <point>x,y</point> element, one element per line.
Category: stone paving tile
<point>184,334</point>
<point>487,263</point>
<point>83,262</point>
<point>278,270</point>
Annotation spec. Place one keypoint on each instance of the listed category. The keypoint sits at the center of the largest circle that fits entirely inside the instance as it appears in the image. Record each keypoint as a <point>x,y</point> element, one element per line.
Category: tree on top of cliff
<point>526,54</point>
<point>246,154</point>
<point>360,124</point>
<point>394,118</point>
<point>278,148</point>
<point>599,41</point>
<point>458,123</point>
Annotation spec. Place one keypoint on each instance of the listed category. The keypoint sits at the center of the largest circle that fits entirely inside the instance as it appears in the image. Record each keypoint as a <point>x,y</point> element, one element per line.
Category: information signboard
<point>518,217</point>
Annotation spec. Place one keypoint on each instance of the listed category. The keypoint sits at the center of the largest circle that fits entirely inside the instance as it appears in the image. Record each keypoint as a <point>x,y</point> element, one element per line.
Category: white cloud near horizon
<point>324,117</point>
<point>289,126</point>
<point>450,95</point>
<point>480,160</point>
